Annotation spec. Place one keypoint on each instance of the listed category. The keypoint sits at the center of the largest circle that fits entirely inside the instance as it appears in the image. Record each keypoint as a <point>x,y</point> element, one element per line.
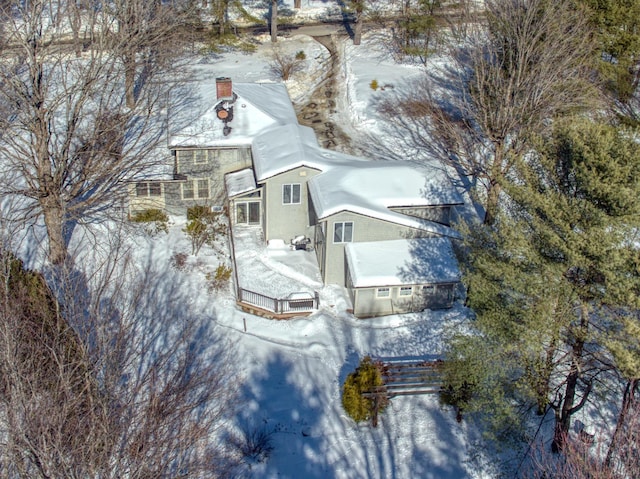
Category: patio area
<point>274,277</point>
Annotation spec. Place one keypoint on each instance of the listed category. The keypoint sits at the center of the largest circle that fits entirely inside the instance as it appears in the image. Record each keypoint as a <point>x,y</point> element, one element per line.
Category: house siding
<point>286,221</point>
<point>219,162</point>
<point>439,214</point>
<point>141,203</point>
<point>365,228</point>
<point>366,304</point>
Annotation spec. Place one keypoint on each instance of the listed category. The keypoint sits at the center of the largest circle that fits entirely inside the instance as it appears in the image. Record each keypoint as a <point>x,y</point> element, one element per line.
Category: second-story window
<point>291,194</point>
<point>201,157</point>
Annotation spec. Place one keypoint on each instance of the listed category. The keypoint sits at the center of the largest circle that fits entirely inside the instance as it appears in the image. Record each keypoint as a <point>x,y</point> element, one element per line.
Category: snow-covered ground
<point>292,370</point>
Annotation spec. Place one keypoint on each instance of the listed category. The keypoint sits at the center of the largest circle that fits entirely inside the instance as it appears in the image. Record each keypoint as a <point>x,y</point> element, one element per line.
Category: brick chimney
<point>224,88</point>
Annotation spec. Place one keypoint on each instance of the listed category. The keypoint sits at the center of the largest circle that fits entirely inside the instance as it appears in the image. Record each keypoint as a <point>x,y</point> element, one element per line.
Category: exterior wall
<point>366,303</point>
<point>286,221</point>
<point>439,214</point>
<point>365,228</point>
<point>214,164</point>
<point>141,203</point>
<point>218,162</point>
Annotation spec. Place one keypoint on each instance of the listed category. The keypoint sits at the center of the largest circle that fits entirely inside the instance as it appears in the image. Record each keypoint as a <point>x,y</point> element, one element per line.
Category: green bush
<point>301,55</point>
<point>156,220</point>
<point>365,378</point>
<point>220,278</point>
<point>199,212</point>
<point>374,84</point>
<point>204,226</point>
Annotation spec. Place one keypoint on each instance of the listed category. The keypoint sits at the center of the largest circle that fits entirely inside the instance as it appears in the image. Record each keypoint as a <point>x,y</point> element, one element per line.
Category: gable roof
<point>376,186</point>
<point>257,107</point>
<point>286,147</point>
<point>402,262</point>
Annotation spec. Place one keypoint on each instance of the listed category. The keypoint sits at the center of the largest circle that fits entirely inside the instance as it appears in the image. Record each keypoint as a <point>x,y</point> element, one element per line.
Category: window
<point>428,289</point>
<point>383,293</point>
<point>248,212</point>
<point>406,290</point>
<point>291,194</point>
<point>343,232</point>
<point>200,157</point>
<point>203,188</point>
<point>148,189</point>
<point>193,189</point>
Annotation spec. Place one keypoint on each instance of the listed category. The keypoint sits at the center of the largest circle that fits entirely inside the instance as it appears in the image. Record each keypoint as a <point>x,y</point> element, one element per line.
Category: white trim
<point>342,239</point>
<point>292,193</point>
<point>200,191</point>
<point>383,293</point>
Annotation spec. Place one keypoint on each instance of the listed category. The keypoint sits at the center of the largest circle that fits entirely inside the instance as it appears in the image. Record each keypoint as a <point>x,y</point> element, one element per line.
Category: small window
<point>343,232</point>
<point>141,189</point>
<point>193,189</point>
<point>185,155</point>
<point>148,189</point>
<point>291,194</point>
<point>406,290</point>
<point>383,293</point>
<point>203,188</point>
<point>188,192</point>
<point>201,157</point>
<point>155,189</point>
<point>428,289</point>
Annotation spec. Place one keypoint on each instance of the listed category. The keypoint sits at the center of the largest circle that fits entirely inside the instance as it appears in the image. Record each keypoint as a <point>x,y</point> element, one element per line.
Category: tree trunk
<point>130,80</point>
<point>274,21</point>
<point>297,4</point>
<point>357,31</point>
<point>493,201</point>
<point>566,409</point>
<point>54,221</point>
<point>627,402</point>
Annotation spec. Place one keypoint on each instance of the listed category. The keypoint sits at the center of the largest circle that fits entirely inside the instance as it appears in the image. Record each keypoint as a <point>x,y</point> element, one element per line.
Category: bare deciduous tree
<point>77,126</point>
<point>530,62</point>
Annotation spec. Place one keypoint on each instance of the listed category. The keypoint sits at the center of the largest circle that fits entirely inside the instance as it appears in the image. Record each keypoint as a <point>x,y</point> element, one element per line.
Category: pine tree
<point>549,278</point>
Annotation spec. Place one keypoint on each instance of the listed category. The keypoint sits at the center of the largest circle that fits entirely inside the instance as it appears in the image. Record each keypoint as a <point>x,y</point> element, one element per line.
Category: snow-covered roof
<point>402,262</point>
<point>286,147</point>
<point>240,182</point>
<point>258,106</point>
<point>373,188</point>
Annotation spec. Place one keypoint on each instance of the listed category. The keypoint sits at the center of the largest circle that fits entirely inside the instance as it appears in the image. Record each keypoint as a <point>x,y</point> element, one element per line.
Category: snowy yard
<point>292,371</point>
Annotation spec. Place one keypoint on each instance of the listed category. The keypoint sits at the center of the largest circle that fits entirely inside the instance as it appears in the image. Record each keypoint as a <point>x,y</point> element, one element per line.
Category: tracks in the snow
<point>317,112</point>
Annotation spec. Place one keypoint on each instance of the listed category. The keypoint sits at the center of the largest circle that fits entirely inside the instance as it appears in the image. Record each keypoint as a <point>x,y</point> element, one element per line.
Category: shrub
<point>285,65</point>
<point>220,278</point>
<point>204,226</point>
<point>179,261</point>
<point>374,84</point>
<point>254,443</point>
<point>155,220</point>
<point>365,378</point>
<point>198,212</point>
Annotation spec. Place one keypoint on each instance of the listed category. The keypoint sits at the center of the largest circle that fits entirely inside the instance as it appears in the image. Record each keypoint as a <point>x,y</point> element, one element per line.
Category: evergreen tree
<point>549,278</point>
<point>617,27</point>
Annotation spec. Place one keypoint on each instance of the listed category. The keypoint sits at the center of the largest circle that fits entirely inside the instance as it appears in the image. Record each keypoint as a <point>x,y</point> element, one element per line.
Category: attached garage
<point>401,276</point>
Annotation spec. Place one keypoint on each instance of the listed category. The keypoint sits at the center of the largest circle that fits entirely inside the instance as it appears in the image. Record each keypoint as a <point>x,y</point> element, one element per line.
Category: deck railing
<point>297,302</point>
